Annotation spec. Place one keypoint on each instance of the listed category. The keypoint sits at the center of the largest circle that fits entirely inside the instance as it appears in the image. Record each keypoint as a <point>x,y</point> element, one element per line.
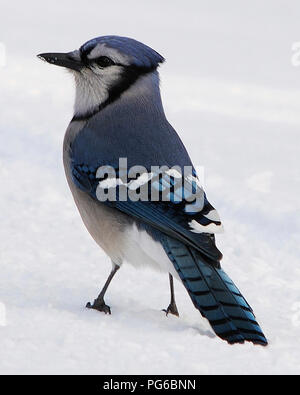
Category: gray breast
<point>106,225</point>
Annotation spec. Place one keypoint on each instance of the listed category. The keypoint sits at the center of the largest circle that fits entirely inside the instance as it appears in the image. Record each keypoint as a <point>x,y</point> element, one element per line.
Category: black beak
<point>62,59</point>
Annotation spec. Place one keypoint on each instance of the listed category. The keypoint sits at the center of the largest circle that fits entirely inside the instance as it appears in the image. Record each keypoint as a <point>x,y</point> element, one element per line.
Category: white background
<point>232,93</point>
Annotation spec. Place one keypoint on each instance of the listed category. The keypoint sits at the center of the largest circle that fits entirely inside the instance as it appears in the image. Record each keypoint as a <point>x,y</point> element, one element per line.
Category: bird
<point>135,186</point>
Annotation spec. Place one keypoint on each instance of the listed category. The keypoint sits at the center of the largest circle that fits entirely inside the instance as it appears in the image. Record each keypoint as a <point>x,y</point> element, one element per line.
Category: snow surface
<point>232,93</point>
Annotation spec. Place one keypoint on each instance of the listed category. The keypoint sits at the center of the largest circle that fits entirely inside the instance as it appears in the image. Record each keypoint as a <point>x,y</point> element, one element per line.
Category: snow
<point>232,93</point>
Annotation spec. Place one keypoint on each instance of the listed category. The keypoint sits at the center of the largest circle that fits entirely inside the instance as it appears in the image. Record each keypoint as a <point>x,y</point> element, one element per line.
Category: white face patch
<point>93,85</point>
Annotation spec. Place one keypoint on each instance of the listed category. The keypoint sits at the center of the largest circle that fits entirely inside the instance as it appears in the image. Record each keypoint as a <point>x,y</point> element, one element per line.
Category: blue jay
<point>118,114</point>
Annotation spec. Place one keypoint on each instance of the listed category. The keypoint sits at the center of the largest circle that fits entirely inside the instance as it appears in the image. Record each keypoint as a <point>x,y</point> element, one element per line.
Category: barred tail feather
<point>214,295</point>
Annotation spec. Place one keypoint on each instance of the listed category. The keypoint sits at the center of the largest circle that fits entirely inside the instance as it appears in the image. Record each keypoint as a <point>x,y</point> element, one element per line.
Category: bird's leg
<point>172,308</point>
<point>99,303</point>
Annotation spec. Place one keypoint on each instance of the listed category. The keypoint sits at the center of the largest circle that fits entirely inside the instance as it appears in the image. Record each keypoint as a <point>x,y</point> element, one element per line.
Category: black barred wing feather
<point>214,295</point>
<point>167,200</point>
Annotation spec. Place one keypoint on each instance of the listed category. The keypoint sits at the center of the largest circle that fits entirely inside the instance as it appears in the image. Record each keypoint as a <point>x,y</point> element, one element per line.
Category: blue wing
<point>179,208</point>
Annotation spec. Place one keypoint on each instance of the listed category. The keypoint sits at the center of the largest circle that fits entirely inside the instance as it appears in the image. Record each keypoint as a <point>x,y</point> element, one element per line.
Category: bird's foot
<point>99,305</point>
<point>171,309</point>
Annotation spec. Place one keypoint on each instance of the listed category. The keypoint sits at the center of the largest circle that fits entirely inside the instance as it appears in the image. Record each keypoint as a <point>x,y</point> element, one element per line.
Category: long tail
<point>214,295</point>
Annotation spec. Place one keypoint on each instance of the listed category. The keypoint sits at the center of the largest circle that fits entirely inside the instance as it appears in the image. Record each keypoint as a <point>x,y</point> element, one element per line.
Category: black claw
<point>100,306</point>
<point>172,309</point>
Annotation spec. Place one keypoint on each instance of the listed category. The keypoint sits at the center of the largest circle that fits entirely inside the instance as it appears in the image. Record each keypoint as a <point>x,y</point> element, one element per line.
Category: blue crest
<point>140,54</point>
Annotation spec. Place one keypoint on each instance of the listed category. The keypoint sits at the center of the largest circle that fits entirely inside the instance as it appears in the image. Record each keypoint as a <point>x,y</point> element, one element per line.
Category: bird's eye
<point>104,61</point>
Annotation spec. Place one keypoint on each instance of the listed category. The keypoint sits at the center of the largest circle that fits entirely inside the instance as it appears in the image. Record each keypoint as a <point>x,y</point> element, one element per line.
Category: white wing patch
<point>210,228</point>
<point>174,173</point>
<point>213,215</point>
<point>211,220</point>
<point>112,182</point>
<point>141,180</point>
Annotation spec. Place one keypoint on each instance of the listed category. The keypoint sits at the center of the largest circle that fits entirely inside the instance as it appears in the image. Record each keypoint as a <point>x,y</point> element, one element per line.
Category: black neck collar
<point>130,74</point>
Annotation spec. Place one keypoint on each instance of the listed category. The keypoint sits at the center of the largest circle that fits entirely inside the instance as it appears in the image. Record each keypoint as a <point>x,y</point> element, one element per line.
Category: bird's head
<point>104,68</point>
